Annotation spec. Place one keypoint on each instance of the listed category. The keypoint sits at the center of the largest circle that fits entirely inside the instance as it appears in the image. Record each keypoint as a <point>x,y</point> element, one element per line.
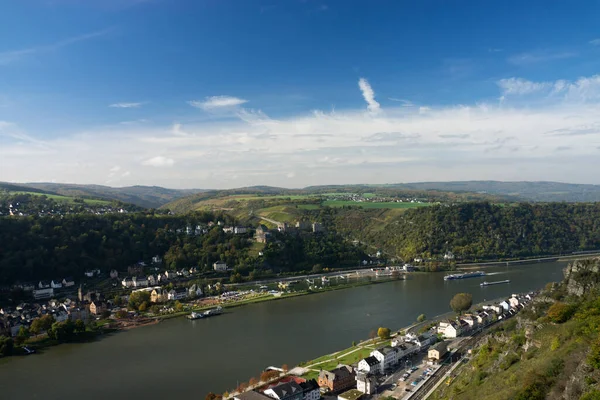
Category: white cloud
<point>126,105</point>
<point>405,103</point>
<point>159,161</point>
<point>216,102</point>
<point>584,89</point>
<point>524,59</point>
<point>369,96</point>
<point>521,86</point>
<point>8,57</point>
<point>518,139</point>
<point>595,42</point>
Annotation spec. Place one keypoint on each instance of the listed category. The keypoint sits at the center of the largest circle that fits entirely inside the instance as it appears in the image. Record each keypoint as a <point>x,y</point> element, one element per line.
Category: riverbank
<point>525,261</point>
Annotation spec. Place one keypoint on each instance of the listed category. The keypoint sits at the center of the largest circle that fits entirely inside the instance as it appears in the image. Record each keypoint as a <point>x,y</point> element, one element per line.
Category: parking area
<point>405,379</point>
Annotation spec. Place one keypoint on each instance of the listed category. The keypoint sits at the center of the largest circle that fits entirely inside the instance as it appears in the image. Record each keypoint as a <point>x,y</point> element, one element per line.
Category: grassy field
<point>65,199</point>
<point>341,203</point>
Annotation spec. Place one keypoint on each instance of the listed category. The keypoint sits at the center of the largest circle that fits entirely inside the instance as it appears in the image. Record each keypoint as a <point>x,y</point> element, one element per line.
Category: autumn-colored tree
<point>383,333</point>
<point>461,302</point>
<point>212,396</point>
<point>178,306</point>
<point>241,387</point>
<point>372,334</point>
<point>560,312</point>
<point>253,381</point>
<point>285,368</point>
<point>268,375</point>
<point>121,314</point>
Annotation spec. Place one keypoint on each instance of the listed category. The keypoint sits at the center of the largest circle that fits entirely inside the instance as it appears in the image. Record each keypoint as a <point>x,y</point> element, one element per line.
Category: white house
<point>514,302</point>
<point>448,256</point>
<point>449,329</point>
<point>68,282</point>
<point>406,349</point>
<point>284,390</point>
<point>220,266</point>
<point>171,274</point>
<point>43,285</point>
<point>228,229</point>
<point>177,294</point>
<point>194,291</point>
<point>240,229</point>
<point>55,284</point>
<point>140,281</point>
<point>387,357</point>
<point>366,382</point>
<point>45,293</point>
<point>505,305</point>
<point>369,364</point>
<point>127,282</point>
<point>151,280</point>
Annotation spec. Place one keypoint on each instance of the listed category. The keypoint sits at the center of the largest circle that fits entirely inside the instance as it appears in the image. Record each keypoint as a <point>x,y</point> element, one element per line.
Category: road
<point>423,391</point>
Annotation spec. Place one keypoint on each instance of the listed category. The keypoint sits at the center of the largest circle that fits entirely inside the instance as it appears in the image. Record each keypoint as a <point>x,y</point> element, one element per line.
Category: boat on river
<point>466,275</point>
<point>494,283</point>
<point>208,313</point>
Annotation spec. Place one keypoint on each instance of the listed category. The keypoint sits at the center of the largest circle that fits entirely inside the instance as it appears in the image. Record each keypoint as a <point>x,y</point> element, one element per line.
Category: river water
<point>179,358</point>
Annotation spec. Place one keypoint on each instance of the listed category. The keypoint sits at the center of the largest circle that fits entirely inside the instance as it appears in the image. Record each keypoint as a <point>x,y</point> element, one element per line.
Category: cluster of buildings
<point>82,308</point>
<point>263,234</point>
<point>23,209</point>
<point>288,388</point>
<point>45,289</point>
<point>142,281</point>
<point>488,314</point>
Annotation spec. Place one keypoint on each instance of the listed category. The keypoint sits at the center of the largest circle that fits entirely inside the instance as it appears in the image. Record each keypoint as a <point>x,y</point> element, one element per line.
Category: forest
<point>54,247</point>
<point>474,231</point>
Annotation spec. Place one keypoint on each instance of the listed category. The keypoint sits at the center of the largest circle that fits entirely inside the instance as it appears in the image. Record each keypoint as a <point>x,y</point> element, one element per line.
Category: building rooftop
<point>352,394</point>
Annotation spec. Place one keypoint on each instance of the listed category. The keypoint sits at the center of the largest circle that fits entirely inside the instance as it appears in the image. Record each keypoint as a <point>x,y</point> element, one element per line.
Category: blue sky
<point>292,93</point>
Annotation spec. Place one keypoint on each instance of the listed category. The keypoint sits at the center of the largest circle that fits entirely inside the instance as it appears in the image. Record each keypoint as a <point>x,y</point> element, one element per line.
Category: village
<point>398,369</point>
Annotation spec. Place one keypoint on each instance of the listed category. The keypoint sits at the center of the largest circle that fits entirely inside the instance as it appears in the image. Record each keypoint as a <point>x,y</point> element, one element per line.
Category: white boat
<point>494,283</point>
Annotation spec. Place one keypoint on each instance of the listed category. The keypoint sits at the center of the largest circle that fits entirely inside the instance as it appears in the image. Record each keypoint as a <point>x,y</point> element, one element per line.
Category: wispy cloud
<point>494,50</point>
<point>126,105</point>
<point>595,42</point>
<point>516,140</point>
<point>217,102</point>
<point>584,89</point>
<point>369,96</point>
<point>7,57</point>
<point>529,58</point>
<point>520,86</point>
<point>159,161</point>
<point>405,103</point>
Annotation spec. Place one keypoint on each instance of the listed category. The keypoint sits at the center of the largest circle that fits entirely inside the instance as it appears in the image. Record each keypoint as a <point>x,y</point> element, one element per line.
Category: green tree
<point>178,306</point>
<point>6,346</point>
<point>421,318</point>
<point>23,335</point>
<point>143,306</point>
<point>383,333</point>
<point>136,299</point>
<point>79,326</point>
<point>121,314</point>
<point>461,302</point>
<point>41,324</point>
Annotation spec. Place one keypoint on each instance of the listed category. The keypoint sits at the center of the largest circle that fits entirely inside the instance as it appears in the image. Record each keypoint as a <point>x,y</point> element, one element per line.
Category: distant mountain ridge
<point>144,196</point>
<point>156,196</point>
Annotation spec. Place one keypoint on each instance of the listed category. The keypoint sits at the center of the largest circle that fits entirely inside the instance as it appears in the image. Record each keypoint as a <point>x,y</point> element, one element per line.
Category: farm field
<point>65,199</point>
<point>341,203</point>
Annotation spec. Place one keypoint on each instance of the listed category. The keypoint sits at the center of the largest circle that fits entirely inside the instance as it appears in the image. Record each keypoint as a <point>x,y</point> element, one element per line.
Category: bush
<point>560,312</point>
<point>509,360</point>
<point>383,333</point>
<point>593,395</point>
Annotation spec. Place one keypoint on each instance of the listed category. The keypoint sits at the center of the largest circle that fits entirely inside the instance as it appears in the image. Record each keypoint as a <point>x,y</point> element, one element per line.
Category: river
<point>179,358</point>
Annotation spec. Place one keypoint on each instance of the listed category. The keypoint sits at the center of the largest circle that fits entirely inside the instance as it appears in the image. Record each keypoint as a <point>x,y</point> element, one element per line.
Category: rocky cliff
<point>581,276</point>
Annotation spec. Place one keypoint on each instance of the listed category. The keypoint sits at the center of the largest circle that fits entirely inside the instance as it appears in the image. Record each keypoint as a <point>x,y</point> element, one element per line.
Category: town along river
<point>179,358</point>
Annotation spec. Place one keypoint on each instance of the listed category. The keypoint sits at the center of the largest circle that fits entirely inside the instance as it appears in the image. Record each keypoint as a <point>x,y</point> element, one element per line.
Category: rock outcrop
<point>581,276</point>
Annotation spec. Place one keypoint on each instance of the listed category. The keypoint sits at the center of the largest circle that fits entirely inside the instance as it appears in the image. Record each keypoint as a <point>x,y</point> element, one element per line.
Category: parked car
<point>414,383</point>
